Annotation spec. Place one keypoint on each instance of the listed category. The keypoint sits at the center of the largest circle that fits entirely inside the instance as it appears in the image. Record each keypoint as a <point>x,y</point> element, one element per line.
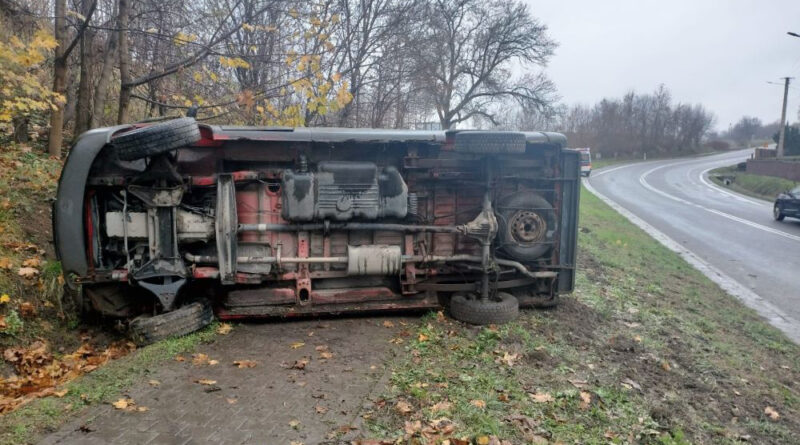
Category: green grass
<point>758,186</point>
<point>101,386</point>
<point>693,349</point>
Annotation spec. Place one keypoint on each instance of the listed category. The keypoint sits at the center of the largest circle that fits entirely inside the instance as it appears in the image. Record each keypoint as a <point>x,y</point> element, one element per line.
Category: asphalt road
<point>731,232</point>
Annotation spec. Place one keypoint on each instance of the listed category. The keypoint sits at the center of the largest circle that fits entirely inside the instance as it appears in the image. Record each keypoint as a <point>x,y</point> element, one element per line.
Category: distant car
<point>586,161</point>
<point>787,204</point>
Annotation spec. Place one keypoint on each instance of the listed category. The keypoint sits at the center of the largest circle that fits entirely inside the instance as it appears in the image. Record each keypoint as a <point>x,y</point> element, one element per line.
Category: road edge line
<point>774,315</point>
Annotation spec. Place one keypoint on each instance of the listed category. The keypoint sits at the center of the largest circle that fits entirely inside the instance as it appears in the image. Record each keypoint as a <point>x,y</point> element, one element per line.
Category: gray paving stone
<point>267,397</point>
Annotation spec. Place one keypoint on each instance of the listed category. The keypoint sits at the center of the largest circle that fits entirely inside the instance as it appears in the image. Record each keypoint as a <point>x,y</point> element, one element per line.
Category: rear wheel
<point>471,309</point>
<point>527,226</point>
<point>777,212</point>
<point>147,329</point>
<point>156,139</point>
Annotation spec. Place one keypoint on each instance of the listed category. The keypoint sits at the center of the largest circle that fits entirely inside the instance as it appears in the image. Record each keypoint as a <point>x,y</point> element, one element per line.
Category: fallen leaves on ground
<point>128,405</point>
<point>441,406</point>
<point>579,383</point>
<point>297,345</point>
<point>205,381</point>
<point>541,397</point>
<point>38,372</point>
<point>154,383</point>
<point>241,364</point>
<point>772,413</point>
<point>32,262</point>
<point>507,359</point>
<point>628,383</point>
<point>321,409</point>
<point>27,309</point>
<point>5,263</point>
<point>403,407</point>
<point>27,272</point>
<point>199,359</point>
<point>4,299</point>
<point>224,328</point>
<point>323,352</point>
<point>478,403</point>
<point>586,399</point>
<point>388,324</point>
<point>300,364</point>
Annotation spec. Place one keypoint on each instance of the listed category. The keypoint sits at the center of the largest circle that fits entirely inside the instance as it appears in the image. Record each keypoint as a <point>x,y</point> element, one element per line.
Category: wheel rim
<point>527,227</point>
<point>776,211</point>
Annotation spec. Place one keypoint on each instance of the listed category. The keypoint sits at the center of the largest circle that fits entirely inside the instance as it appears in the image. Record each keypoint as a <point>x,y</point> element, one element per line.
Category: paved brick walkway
<point>252,405</point>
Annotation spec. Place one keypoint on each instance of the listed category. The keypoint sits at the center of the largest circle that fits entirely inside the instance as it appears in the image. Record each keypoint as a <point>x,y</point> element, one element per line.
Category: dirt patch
<point>38,227</point>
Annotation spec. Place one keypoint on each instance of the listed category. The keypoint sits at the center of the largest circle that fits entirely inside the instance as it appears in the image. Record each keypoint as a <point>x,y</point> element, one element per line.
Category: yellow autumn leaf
<point>4,299</point>
<point>122,403</point>
<point>478,403</point>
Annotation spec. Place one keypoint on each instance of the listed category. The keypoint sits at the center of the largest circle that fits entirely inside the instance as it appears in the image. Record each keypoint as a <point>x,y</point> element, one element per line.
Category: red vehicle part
<point>282,222</point>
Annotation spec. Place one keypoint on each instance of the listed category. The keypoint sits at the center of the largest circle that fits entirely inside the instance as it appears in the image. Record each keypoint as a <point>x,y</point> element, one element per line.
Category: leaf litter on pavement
<point>38,372</point>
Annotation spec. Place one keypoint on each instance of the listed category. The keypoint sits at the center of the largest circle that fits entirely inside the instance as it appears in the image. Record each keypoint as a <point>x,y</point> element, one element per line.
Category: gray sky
<point>720,53</point>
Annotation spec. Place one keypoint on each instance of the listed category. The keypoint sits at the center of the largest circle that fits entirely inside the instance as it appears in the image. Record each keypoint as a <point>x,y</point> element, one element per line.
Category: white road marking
<point>645,184</point>
<point>736,196</point>
<point>609,170</point>
<point>774,315</point>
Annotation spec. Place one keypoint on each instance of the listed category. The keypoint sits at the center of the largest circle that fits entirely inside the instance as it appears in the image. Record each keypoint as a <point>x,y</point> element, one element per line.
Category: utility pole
<point>782,134</point>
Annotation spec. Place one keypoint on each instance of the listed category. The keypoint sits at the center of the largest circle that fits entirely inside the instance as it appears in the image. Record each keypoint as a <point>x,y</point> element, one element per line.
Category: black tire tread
<point>780,216</point>
<point>145,330</point>
<point>489,142</point>
<point>475,311</point>
<point>157,139</point>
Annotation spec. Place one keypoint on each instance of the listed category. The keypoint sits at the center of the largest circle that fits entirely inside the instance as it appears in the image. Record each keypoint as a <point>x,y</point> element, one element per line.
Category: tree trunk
<point>21,129</point>
<point>101,92</point>
<point>124,63</point>
<point>59,80</point>
<point>83,116</point>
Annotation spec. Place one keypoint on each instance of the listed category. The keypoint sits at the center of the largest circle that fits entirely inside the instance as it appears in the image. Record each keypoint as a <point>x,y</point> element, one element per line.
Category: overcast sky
<point>720,53</point>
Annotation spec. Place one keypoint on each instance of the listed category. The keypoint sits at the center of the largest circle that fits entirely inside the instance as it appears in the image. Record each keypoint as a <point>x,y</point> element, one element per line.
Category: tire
<point>489,142</point>
<point>503,309</point>
<point>146,329</point>
<point>776,213</point>
<point>515,215</point>
<point>156,139</point>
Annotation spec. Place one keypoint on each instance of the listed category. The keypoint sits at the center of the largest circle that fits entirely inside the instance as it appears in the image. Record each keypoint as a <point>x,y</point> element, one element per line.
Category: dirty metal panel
<point>570,192</point>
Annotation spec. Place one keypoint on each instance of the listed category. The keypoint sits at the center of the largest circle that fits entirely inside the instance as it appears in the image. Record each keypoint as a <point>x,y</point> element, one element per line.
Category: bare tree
<point>467,51</point>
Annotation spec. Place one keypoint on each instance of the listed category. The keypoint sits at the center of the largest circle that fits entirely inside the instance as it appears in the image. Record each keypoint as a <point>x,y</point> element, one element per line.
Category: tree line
<point>355,63</point>
<point>631,126</point>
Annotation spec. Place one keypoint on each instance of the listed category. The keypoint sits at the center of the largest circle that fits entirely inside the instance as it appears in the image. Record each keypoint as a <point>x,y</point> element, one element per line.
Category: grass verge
<point>45,415</point>
<point>647,350</point>
<point>757,186</point>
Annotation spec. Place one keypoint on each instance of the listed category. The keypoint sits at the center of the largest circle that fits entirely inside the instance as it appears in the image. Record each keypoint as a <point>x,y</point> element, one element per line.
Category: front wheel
<point>777,213</point>
<point>503,308</point>
<point>146,329</point>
